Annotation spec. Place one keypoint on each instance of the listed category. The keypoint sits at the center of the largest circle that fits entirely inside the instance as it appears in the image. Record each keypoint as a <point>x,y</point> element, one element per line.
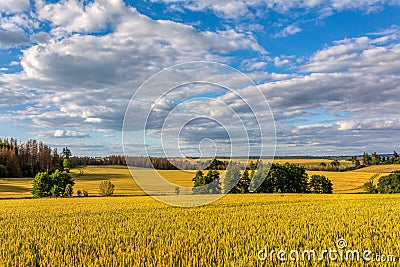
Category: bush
<point>68,190</point>
<point>106,188</point>
<point>85,193</point>
<point>79,193</point>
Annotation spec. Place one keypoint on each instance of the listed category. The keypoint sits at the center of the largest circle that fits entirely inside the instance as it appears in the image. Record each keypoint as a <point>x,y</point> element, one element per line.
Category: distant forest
<point>19,159</point>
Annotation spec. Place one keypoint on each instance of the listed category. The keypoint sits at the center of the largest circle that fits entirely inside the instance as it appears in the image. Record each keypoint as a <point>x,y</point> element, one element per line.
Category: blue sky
<point>329,70</point>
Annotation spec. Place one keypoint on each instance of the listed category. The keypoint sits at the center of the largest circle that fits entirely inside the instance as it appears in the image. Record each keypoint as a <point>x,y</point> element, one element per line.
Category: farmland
<point>139,231</point>
<point>343,182</point>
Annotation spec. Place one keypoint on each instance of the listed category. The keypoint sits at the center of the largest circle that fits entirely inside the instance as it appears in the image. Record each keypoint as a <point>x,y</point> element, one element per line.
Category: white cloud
<point>88,79</point>
<point>75,16</point>
<point>93,120</point>
<point>241,8</point>
<point>289,30</point>
<point>62,134</point>
<point>364,55</point>
<point>14,6</point>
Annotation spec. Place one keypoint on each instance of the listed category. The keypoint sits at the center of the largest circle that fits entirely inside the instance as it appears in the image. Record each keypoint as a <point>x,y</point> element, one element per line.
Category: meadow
<point>237,230</point>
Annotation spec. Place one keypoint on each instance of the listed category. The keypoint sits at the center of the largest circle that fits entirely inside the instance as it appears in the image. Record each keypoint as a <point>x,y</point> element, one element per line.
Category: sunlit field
<point>343,182</point>
<point>139,231</point>
<point>348,182</point>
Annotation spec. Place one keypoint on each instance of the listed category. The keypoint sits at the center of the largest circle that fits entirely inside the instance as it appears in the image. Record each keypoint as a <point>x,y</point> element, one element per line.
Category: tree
<point>320,184</point>
<point>366,159</point>
<point>66,164</point>
<point>56,184</point>
<point>335,163</point>
<point>286,178</point>
<point>3,171</point>
<point>206,184</point>
<point>106,188</point>
<point>66,153</point>
<point>389,184</point>
<point>42,185</point>
<point>369,187</point>
<point>235,181</point>
<point>62,180</point>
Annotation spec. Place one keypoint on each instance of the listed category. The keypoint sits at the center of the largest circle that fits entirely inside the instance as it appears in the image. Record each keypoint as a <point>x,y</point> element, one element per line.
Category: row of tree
<point>159,163</point>
<point>18,159</point>
<point>272,178</point>
<point>375,159</point>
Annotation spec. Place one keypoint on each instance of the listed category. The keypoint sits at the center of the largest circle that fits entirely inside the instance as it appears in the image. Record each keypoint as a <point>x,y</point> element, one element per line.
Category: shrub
<point>85,193</point>
<point>68,190</point>
<point>106,188</point>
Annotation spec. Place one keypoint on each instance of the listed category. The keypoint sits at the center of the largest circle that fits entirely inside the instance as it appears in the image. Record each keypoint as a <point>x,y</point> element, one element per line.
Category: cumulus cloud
<point>88,79</point>
<point>364,54</point>
<point>63,134</point>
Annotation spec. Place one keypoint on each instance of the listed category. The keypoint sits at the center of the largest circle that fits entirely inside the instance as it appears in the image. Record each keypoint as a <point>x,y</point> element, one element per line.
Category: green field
<point>139,231</point>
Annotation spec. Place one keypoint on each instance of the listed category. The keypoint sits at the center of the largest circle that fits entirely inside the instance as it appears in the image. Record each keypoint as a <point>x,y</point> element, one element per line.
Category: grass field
<point>139,231</point>
<point>343,182</point>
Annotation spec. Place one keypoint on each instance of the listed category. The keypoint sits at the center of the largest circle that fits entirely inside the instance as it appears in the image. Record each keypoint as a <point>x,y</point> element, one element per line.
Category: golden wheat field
<point>234,231</point>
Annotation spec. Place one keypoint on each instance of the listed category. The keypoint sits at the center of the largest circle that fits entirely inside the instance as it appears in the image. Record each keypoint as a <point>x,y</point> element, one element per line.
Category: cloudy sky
<point>329,70</point>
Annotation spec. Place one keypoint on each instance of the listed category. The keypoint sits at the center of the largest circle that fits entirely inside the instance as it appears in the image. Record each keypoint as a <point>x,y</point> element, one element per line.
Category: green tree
<point>206,184</point>
<point>235,181</point>
<point>389,184</point>
<point>369,187</point>
<point>335,163</point>
<point>320,184</point>
<point>45,185</point>
<point>62,180</point>
<point>66,153</point>
<point>42,185</point>
<point>66,164</point>
<point>3,171</point>
<point>106,188</point>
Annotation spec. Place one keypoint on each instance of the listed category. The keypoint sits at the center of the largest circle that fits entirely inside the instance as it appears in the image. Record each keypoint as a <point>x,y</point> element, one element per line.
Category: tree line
<point>272,178</point>
<point>375,159</point>
<point>18,159</point>
<point>159,163</point>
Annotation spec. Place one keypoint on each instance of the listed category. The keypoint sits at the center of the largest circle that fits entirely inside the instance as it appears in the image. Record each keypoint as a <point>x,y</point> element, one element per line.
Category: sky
<point>327,76</point>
